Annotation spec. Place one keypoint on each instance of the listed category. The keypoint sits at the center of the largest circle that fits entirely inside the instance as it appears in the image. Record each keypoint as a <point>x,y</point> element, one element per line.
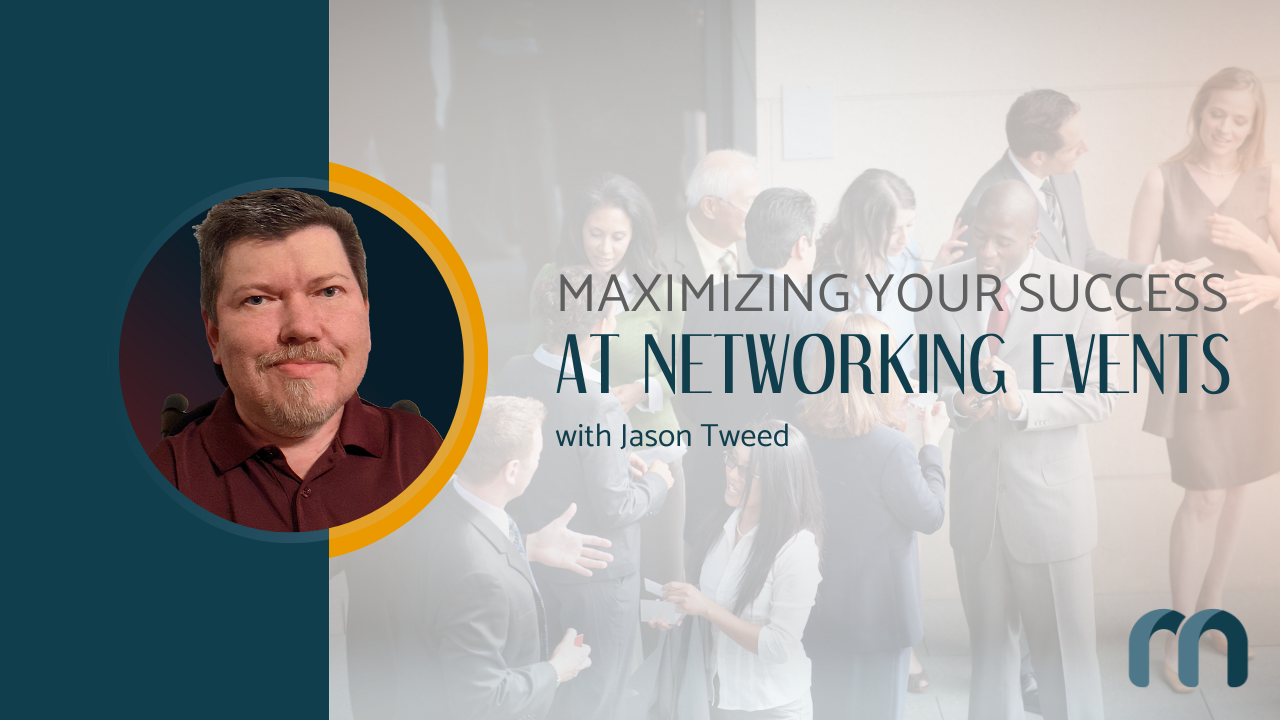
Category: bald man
<point>1023,512</point>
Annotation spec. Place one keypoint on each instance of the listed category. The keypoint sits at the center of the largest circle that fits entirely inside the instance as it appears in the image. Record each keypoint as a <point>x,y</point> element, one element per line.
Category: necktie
<point>726,264</point>
<point>514,533</point>
<point>1055,209</point>
<point>998,320</point>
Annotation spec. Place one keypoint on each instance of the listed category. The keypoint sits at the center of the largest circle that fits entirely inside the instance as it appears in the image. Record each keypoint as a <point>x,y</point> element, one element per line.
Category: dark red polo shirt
<point>221,466</point>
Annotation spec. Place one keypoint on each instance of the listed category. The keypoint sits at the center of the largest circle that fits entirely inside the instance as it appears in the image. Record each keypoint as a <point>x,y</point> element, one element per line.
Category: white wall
<point>922,88</point>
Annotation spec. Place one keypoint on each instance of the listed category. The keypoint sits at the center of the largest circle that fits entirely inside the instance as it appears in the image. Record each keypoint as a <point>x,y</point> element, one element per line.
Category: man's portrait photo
<point>289,445</point>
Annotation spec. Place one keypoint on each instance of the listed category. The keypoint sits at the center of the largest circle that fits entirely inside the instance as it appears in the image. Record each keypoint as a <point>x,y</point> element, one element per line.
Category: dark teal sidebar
<point>119,602</point>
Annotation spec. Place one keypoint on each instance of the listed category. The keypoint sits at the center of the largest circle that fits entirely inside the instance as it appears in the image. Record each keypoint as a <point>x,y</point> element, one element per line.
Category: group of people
<point>793,566</point>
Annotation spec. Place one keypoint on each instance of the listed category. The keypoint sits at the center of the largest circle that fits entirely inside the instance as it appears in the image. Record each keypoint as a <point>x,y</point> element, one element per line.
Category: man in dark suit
<point>710,238</point>
<point>446,618</point>
<point>593,473</point>
<point>779,234</point>
<point>1046,137</point>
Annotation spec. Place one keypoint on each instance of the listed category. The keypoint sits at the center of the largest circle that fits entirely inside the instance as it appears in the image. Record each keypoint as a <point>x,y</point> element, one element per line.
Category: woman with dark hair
<point>869,613</point>
<point>1219,198</point>
<point>611,229</point>
<point>758,576</point>
<point>871,238</point>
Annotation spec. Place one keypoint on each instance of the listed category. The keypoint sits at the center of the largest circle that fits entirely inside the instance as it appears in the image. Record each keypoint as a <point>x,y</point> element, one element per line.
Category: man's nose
<point>1084,147</point>
<point>301,322</point>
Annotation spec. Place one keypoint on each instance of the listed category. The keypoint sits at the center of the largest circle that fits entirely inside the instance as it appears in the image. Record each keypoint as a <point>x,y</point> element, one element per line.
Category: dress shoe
<point>1030,694</point>
<point>918,682</point>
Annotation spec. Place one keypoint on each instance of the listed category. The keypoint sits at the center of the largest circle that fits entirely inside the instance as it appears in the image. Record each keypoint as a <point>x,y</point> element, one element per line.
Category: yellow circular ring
<point>475,359</point>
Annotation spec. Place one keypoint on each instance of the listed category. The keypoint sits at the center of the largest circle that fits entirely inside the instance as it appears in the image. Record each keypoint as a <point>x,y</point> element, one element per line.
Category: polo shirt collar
<point>229,443</point>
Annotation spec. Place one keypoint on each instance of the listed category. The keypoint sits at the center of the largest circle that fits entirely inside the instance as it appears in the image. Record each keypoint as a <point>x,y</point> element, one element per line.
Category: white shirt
<point>496,514</point>
<point>781,672</point>
<point>711,253</point>
<point>1036,183</point>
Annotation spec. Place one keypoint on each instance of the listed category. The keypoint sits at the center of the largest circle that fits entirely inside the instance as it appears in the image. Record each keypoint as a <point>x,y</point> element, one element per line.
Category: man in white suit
<point>1023,510</point>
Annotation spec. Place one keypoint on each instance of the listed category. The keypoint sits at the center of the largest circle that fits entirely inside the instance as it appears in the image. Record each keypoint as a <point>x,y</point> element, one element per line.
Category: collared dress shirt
<point>493,513</point>
<point>225,469</point>
<point>781,672</point>
<point>710,254</point>
<point>1036,183</point>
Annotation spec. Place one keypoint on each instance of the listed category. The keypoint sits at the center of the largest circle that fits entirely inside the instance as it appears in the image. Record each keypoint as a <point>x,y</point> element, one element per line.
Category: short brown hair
<point>1034,121</point>
<point>855,413</point>
<point>577,317</point>
<point>505,433</point>
<point>269,215</point>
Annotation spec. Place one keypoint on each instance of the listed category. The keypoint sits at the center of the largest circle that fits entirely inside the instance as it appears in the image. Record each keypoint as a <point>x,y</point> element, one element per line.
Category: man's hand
<point>661,468</point>
<point>1169,267</point>
<point>973,404</point>
<point>1172,268</point>
<point>638,466</point>
<point>557,546</point>
<point>569,659</point>
<point>953,248</point>
<point>933,422</point>
<point>629,394</point>
<point>1252,289</point>
<point>1010,398</point>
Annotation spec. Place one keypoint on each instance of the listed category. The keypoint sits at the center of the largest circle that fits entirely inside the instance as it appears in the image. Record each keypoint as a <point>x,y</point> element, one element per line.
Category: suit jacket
<point>743,404</point>
<point>597,478</point>
<point>876,493</point>
<point>456,627</point>
<point>680,255</point>
<point>1033,476</point>
<point>1077,249</point>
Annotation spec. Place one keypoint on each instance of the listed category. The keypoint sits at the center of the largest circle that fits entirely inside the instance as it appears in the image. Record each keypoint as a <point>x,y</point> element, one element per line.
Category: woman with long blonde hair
<point>1219,198</point>
<point>877,493</point>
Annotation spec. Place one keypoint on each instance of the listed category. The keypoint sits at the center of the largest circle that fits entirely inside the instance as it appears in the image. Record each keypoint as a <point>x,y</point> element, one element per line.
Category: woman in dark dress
<point>879,492</point>
<point>1218,199</point>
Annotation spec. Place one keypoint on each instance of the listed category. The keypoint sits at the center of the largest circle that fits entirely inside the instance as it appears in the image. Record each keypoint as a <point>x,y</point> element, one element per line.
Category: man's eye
<point>331,291</point>
<point>254,300</point>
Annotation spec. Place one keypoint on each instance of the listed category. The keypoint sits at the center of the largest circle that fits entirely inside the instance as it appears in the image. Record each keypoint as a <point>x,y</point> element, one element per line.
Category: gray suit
<point>1077,249</point>
<point>1023,510</point>
<point>455,627</point>
<point>680,255</point>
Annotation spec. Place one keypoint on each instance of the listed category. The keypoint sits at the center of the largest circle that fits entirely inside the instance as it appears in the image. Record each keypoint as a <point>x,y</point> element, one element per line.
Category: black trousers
<point>606,612</point>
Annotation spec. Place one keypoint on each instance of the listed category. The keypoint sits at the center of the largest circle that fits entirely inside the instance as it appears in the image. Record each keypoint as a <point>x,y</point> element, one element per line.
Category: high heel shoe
<point>1171,677</point>
<point>918,682</point>
<point>1219,643</point>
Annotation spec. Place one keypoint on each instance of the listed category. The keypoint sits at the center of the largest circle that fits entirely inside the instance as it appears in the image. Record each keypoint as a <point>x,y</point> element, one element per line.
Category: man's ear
<point>211,336</point>
<point>708,207</point>
<point>802,248</point>
<point>1035,238</point>
<point>1037,158</point>
<point>511,472</point>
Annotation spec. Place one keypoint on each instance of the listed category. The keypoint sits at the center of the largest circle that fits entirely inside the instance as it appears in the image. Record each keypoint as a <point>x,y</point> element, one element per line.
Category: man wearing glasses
<point>711,238</point>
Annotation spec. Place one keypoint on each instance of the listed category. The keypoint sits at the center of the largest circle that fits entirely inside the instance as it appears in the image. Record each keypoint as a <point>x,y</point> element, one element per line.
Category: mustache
<point>308,351</point>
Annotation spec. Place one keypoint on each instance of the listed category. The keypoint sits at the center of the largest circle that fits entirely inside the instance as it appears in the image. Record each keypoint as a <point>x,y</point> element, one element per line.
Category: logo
<point>1188,645</point>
